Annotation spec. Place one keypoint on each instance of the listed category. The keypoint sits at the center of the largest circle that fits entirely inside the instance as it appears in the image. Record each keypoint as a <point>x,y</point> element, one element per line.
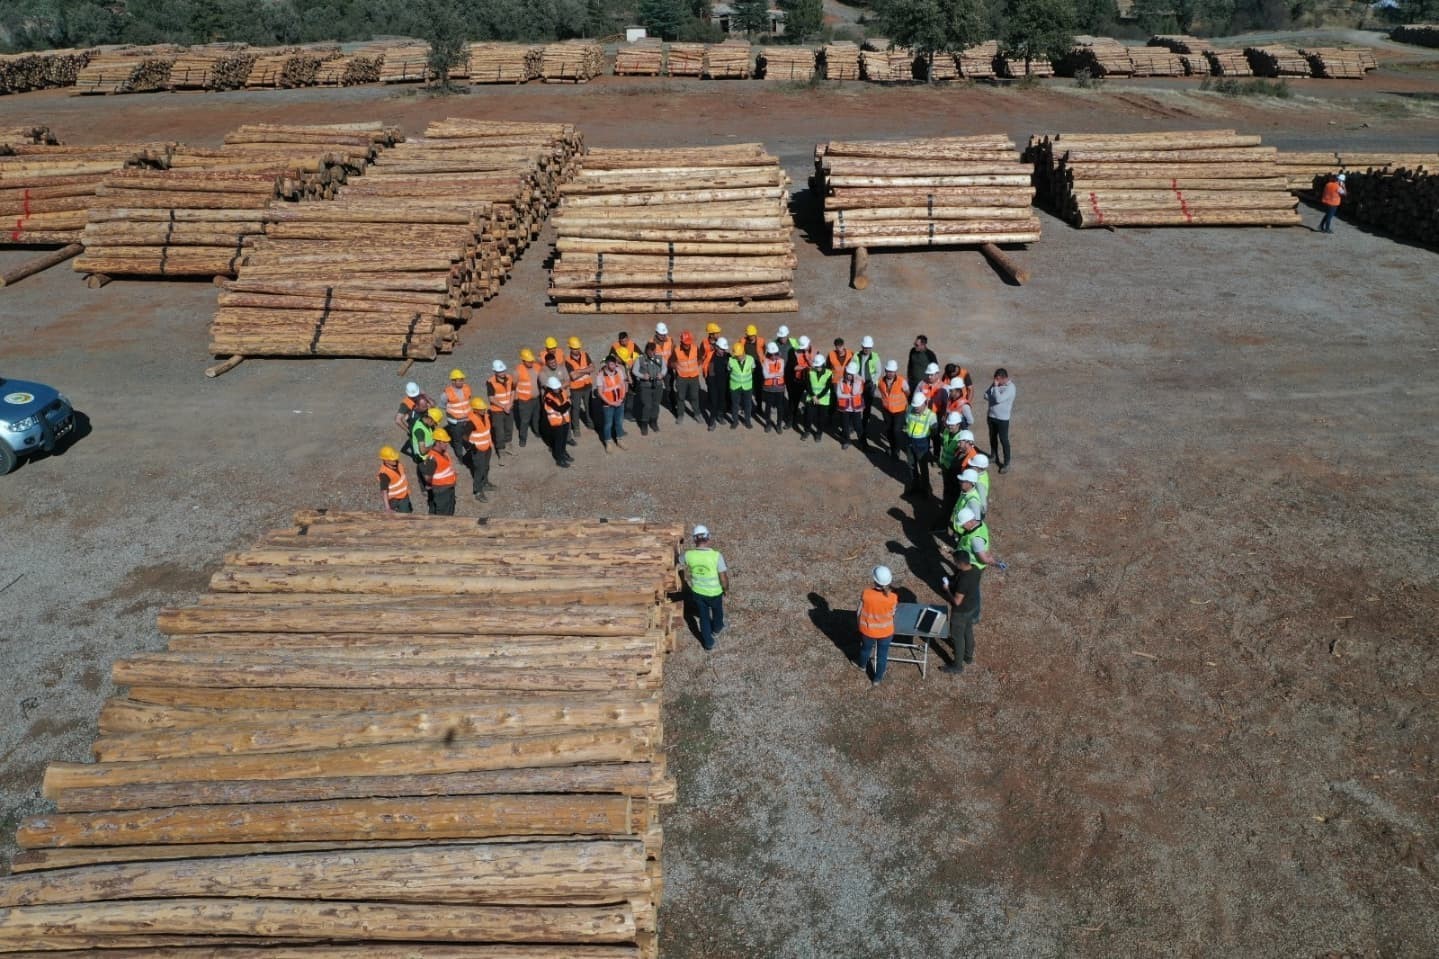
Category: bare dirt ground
<point>1203,717</point>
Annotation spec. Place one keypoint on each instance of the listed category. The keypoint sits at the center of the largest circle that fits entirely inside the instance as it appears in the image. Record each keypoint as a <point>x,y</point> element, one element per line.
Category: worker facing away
<point>437,472</point>
<point>876,623</point>
<point>394,485</point>
<point>706,579</point>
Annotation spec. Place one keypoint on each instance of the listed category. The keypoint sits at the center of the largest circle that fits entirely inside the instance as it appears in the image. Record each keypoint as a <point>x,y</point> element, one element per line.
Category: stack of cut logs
<point>1274,60</point>
<point>886,65</point>
<point>1181,178</point>
<point>1100,56</point>
<point>644,58</point>
<point>930,192</point>
<point>28,135</point>
<point>1016,67</point>
<point>788,63</point>
<point>1301,168</point>
<point>1423,34</point>
<point>977,62</point>
<point>1402,202</point>
<point>727,61</point>
<point>404,253</point>
<point>841,60</point>
<point>139,71</point>
<point>574,61</point>
<point>348,70</point>
<point>504,62</point>
<point>1229,63</point>
<point>1191,51</point>
<point>337,756</point>
<point>941,67</point>
<point>20,72</point>
<point>1156,62</point>
<point>220,67</point>
<point>45,191</point>
<point>405,63</point>
<point>685,59</point>
<point>1338,63</point>
<point>298,67</point>
<point>683,230</point>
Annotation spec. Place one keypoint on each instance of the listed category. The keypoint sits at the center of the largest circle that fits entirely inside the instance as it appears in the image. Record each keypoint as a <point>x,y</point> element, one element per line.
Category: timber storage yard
<point>1202,718</point>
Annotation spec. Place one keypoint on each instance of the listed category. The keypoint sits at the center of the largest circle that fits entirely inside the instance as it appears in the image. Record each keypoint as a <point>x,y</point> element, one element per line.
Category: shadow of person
<point>840,626</point>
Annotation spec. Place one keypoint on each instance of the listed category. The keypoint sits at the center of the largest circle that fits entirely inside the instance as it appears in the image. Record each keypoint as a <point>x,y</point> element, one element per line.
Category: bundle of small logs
<point>685,59</point>
<point>348,71</point>
<point>1274,60</point>
<point>404,253</point>
<point>643,58</point>
<point>940,67</point>
<point>841,60</point>
<point>574,61</point>
<point>887,65</point>
<point>504,62</point>
<point>46,191</point>
<point>977,62</point>
<point>1423,34</point>
<point>287,69</point>
<point>219,67</point>
<point>1339,63</point>
<point>1401,202</point>
<point>680,230</point>
<point>727,61</point>
<point>1156,62</point>
<point>1099,56</point>
<point>405,63</point>
<point>1179,178</point>
<point>1229,63</point>
<point>1016,67</point>
<point>20,72</point>
<point>1180,43</point>
<point>1301,168</point>
<point>138,71</point>
<point>337,756</point>
<point>787,63</point>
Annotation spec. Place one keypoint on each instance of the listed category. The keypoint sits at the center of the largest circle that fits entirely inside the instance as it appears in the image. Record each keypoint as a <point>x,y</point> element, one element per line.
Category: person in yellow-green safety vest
<point>741,386</point>
<point>706,580</point>
<point>919,426</point>
<point>818,397</point>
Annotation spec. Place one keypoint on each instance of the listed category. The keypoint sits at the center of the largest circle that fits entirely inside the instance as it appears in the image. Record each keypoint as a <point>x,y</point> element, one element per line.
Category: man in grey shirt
<point>1000,397</point>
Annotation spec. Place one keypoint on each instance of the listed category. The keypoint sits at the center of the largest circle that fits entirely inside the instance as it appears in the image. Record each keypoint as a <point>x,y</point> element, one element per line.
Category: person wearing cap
<point>962,592</point>
<point>972,538</point>
<point>870,370</point>
<point>773,410</point>
<point>892,393</point>
<point>529,383</point>
<point>551,351</point>
<point>741,386</point>
<point>614,387</point>
<point>818,397</point>
<point>581,372</point>
<point>919,426</point>
<point>849,400</point>
<point>1000,397</point>
<point>437,475</point>
<point>801,358</point>
<point>412,406</point>
<point>1330,197</point>
<point>714,360</point>
<point>479,446</point>
<point>706,579</point>
<point>557,415</point>
<point>500,388</point>
<point>394,484</point>
<point>920,358</point>
<point>665,347</point>
<point>686,365</point>
<point>649,373</point>
<point>949,443</point>
<point>876,623</point>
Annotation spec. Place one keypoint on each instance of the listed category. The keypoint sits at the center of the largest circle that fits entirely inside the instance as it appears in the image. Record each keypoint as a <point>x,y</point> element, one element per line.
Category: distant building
<point>722,15</point>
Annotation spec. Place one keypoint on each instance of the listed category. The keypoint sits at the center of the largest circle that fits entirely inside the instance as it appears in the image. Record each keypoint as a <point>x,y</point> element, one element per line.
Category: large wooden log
<point>39,264</point>
<point>455,581</point>
<point>411,617</point>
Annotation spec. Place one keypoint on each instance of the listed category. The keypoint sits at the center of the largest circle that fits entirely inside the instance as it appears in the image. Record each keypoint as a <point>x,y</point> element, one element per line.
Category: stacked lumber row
<point>405,63</point>
<point>928,192</point>
<point>287,69</point>
<point>404,253</point>
<point>1016,68</point>
<point>28,135</point>
<point>1301,168</point>
<point>348,71</point>
<point>503,62</point>
<point>1229,63</point>
<point>788,63</point>
<point>643,58</point>
<point>1401,202</point>
<point>1180,43</point>
<point>1185,178</point>
<point>977,62</point>
<point>685,59</point>
<point>574,61</point>
<point>683,230</point>
<point>1338,63</point>
<point>1156,62</point>
<point>841,60</point>
<point>1423,34</point>
<point>128,72</point>
<point>941,67</point>
<point>895,65</point>
<point>336,756</point>
<point>727,61</point>
<point>1274,60</point>
<point>220,67</point>
<point>21,72</point>
<point>46,191</point>
<point>1100,56</point>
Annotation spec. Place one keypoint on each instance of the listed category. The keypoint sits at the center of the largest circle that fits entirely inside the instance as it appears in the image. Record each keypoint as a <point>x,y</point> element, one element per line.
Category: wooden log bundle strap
<point>405,253</point>
<point>481,785</point>
<point>573,61</point>
<point>643,58</point>
<point>1183,178</point>
<point>685,230</point>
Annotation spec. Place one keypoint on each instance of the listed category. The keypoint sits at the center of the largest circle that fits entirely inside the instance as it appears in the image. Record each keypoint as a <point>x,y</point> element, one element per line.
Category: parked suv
<point>33,418</point>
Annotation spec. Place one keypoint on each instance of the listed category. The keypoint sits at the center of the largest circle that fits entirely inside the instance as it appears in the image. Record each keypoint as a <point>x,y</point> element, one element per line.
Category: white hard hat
<point>953,419</point>
<point>955,384</point>
<point>979,461</point>
<point>931,369</point>
<point>1341,177</point>
<point>498,366</point>
<point>966,435</point>
<point>918,400</point>
<point>866,343</point>
<point>662,330</point>
<point>882,575</point>
<point>804,342</point>
<point>819,360</point>
<point>722,343</point>
<point>965,515</point>
<point>852,369</point>
<point>892,366</point>
<point>969,476</point>
<point>553,382</point>
<point>412,389</point>
<point>702,532</point>
<point>772,349</point>
<point>782,331</point>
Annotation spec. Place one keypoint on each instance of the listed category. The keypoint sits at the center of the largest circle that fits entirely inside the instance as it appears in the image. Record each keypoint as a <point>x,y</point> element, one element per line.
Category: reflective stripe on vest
<point>527,381</point>
<point>556,416</point>
<point>819,386</point>
<point>665,348</point>
<point>627,354</point>
<point>966,539</point>
<point>741,372</point>
<point>895,396</point>
<point>851,393</point>
<point>502,393</point>
<point>444,468</point>
<point>457,402</point>
<point>612,388</point>
<point>876,613</point>
<point>838,361</point>
<point>801,362</point>
<point>919,425</point>
<point>399,484</point>
<point>479,436</point>
<point>948,446</point>
<point>687,365</point>
<point>774,373</point>
<point>707,356</point>
<point>580,381</point>
<point>703,567</point>
<point>869,366</point>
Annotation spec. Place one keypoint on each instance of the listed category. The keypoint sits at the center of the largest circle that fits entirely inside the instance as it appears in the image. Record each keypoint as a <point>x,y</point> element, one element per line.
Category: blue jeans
<point>881,656</point>
<point>1327,224</point>
<point>709,610</point>
<point>612,425</point>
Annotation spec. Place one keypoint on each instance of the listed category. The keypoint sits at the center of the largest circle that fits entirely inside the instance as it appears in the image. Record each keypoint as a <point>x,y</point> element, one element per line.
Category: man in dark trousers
<point>963,596</point>
<point>1000,397</point>
<point>650,371</point>
<point>920,357</point>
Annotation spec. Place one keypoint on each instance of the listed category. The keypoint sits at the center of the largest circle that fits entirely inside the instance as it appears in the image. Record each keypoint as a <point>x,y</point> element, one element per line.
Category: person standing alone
<point>876,624</point>
<point>963,596</point>
<point>1000,397</point>
<point>1330,198</point>
<point>707,578</point>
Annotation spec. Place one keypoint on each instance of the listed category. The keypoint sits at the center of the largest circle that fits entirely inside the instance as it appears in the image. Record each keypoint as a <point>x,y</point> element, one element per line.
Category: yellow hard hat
<point>457,374</point>
<point>527,354</point>
<point>435,414</point>
<point>478,403</point>
<point>712,328</point>
<point>442,434</point>
<point>575,342</point>
<point>551,342</point>
<point>751,330</point>
<point>388,453</point>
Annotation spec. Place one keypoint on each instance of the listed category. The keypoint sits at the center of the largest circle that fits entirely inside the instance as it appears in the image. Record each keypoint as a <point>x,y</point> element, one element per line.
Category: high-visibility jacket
<point>420,435</point>
<point>557,407</point>
<point>850,392</point>
<point>502,392</point>
<point>613,387</point>
<point>754,346</point>
<point>444,474</point>
<point>893,395</point>
<point>820,392</point>
<point>931,391</point>
<point>480,437</point>
<point>1332,193</point>
<point>973,502</point>
<point>741,372</point>
<point>397,484</point>
<point>665,348</point>
<point>708,352</point>
<point>876,613</point>
<point>457,402</point>
<point>962,458</point>
<point>546,354</point>
<point>963,376</point>
<point>839,359</point>
<point>527,381</point>
<point>687,364</point>
<point>967,538</point>
<point>984,485</point>
<point>948,447</point>
<point>703,568</point>
<point>626,354</point>
<point>801,362</point>
<point>870,367</point>
<point>774,373</point>
<point>918,426</point>
<point>579,381</point>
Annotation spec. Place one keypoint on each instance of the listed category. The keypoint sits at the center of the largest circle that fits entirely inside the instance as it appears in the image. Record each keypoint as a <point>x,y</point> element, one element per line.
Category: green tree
<point>663,18</point>
<point>1037,28</point>
<point>445,31</point>
<point>802,19</point>
<point>1098,17</point>
<point>929,27</point>
<point>751,16</point>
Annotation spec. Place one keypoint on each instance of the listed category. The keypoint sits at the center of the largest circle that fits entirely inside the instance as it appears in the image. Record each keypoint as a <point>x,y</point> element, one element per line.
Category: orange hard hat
<point>687,337</point>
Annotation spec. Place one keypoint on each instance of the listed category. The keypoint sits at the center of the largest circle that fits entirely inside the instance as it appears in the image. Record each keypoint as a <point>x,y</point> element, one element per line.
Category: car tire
<point>8,459</point>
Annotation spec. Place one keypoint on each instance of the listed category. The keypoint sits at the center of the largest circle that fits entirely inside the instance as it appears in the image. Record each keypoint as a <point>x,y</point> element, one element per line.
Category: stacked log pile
<point>1274,60</point>
<point>685,59</point>
<point>948,191</point>
<point>795,64</point>
<point>1156,62</point>
<point>841,60</point>
<point>1188,178</point>
<point>504,62</point>
<point>1100,56</point>
<point>692,230</point>
<point>28,135</point>
<point>1338,63</point>
<point>1229,63</point>
<point>574,61</point>
<point>220,67</point>
<point>404,253</point>
<point>890,65</point>
<point>942,67</point>
<point>21,72</point>
<point>1015,68</point>
<point>140,71</point>
<point>977,62</point>
<point>1301,168</point>
<point>644,58</point>
<point>287,69</point>
<point>727,61</point>
<point>1180,43</point>
<point>1423,34</point>
<point>1401,202</point>
<point>337,757</point>
<point>405,63</point>
<point>46,191</point>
